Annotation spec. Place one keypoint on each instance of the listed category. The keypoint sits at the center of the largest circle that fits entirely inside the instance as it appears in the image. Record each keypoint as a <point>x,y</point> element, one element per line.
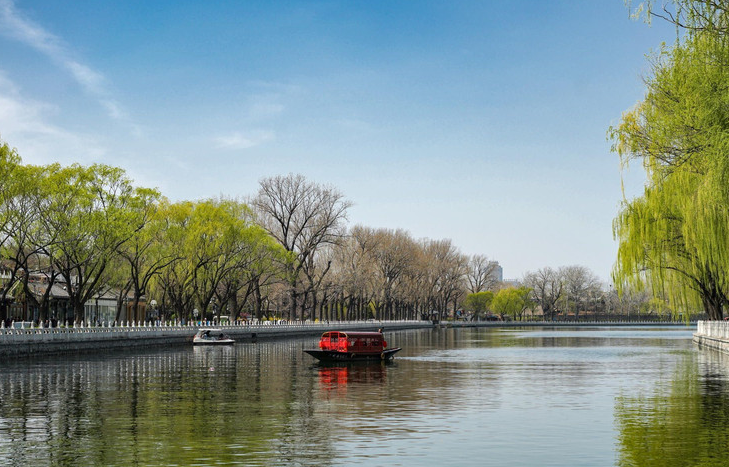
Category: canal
<point>593,396</point>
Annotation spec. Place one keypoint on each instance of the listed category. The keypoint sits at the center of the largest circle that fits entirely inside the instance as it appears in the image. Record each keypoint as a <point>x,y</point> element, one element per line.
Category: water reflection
<point>451,397</point>
<point>192,406</point>
<point>336,377</point>
<point>684,421</point>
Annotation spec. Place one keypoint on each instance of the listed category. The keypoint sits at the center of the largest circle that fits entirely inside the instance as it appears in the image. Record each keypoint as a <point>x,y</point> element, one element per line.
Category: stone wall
<point>38,341</point>
<point>713,335</point>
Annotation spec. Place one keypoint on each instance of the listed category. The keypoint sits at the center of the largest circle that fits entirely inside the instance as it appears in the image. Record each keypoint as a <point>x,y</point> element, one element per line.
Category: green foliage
<point>210,243</point>
<point>478,303</point>
<point>512,301</point>
<point>674,238</point>
<point>681,421</point>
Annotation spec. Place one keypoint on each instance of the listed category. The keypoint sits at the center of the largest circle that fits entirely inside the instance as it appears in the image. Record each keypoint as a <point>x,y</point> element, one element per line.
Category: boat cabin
<point>357,342</point>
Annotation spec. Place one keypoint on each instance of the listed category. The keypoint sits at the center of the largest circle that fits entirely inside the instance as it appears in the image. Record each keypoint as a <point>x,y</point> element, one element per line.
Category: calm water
<point>471,397</point>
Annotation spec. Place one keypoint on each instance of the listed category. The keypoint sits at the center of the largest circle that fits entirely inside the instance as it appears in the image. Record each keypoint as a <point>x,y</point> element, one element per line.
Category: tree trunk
<point>257,301</point>
<point>713,307</point>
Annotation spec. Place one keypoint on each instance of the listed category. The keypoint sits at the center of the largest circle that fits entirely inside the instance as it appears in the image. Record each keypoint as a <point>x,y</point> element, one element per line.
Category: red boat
<point>339,346</point>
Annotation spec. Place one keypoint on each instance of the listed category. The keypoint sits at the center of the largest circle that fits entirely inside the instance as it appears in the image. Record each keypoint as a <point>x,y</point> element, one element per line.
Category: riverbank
<point>46,341</point>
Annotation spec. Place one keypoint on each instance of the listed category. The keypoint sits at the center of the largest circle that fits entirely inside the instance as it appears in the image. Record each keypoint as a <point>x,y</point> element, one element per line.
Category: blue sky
<point>482,122</point>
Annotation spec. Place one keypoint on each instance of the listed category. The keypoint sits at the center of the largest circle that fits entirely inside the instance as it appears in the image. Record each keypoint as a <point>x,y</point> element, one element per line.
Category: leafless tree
<point>303,217</point>
<point>547,285</point>
<point>393,256</point>
<point>579,285</point>
<point>445,268</point>
<point>481,274</point>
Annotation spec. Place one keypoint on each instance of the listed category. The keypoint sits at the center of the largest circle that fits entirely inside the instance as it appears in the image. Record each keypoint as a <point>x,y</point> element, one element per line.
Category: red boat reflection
<point>337,377</point>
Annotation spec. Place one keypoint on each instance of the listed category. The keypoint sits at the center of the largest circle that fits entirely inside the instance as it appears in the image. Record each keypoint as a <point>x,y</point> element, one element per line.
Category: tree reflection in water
<point>684,421</point>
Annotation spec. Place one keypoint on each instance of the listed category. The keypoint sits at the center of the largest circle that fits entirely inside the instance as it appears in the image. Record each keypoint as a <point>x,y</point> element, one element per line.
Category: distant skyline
<point>482,122</point>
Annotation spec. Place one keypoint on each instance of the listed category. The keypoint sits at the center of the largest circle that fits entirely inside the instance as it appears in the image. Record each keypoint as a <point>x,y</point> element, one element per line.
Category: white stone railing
<point>25,333</point>
<point>713,335</point>
<point>169,329</point>
<point>713,329</point>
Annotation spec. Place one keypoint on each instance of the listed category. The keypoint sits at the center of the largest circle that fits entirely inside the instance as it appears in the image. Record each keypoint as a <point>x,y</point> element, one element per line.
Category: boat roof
<point>210,329</point>
<point>353,334</point>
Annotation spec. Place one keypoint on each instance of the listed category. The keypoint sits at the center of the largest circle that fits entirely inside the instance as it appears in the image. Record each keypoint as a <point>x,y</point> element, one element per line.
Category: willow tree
<point>26,241</point>
<point>91,212</point>
<point>144,255</point>
<point>674,238</point>
<point>10,185</point>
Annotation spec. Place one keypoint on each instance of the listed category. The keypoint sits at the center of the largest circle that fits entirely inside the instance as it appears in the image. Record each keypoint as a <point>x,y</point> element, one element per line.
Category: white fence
<point>27,333</point>
<point>21,338</point>
<point>713,334</point>
<point>713,329</point>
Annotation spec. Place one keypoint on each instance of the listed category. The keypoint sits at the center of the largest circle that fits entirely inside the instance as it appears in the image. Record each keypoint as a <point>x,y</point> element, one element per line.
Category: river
<point>593,396</point>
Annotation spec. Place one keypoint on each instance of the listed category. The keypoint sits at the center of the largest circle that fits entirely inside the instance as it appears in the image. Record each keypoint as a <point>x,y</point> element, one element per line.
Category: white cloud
<point>15,26</point>
<point>238,140</point>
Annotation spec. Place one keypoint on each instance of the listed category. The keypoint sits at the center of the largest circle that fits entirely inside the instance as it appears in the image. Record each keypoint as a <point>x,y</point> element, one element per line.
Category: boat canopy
<point>352,341</point>
<point>345,334</point>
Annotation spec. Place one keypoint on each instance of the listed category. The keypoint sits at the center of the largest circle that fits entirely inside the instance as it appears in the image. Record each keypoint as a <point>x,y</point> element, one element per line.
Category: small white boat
<point>211,336</point>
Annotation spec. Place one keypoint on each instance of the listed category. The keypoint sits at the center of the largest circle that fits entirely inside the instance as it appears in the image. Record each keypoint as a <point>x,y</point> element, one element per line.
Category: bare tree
<point>303,217</point>
<point>445,268</point>
<point>393,256</point>
<point>547,285</point>
<point>355,270</point>
<point>481,274</point>
<point>579,285</point>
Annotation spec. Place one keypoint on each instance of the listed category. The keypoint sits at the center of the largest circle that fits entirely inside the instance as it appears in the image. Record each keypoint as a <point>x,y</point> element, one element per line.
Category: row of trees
<point>286,252</point>
<point>566,291</point>
<point>674,238</point>
<point>92,230</point>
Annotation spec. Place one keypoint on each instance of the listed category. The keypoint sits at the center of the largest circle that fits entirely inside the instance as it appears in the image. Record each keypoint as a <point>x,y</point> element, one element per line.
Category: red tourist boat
<point>339,346</point>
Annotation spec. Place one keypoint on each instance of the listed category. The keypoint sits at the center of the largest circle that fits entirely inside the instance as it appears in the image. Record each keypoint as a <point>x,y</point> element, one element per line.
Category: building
<point>101,309</point>
<point>497,272</point>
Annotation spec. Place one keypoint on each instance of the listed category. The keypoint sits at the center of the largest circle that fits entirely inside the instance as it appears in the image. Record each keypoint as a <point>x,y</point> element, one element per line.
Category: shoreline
<point>51,341</point>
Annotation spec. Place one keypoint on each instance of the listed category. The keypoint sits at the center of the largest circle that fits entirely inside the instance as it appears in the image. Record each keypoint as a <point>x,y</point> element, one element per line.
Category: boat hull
<point>336,356</point>
<point>197,341</point>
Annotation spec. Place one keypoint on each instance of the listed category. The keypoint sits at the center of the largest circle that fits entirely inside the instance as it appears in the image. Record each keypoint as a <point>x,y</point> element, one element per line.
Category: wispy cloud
<point>17,27</point>
<point>238,140</point>
<point>25,125</point>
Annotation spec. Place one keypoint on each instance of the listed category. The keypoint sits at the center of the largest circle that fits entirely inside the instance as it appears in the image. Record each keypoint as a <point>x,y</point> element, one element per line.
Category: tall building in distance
<point>497,272</point>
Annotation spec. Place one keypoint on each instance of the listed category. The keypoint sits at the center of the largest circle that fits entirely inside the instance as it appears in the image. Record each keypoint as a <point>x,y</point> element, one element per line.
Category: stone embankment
<point>35,341</point>
<point>713,335</point>
<point>24,340</point>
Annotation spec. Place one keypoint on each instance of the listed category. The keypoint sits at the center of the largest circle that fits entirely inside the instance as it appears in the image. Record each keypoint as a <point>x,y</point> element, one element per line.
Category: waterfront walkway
<point>21,339</point>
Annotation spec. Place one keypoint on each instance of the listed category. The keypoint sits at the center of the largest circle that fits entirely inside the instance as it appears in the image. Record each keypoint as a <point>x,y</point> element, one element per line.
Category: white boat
<point>211,336</point>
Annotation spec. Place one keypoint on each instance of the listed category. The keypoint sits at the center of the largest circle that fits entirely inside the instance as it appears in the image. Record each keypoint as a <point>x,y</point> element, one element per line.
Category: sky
<point>481,122</point>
